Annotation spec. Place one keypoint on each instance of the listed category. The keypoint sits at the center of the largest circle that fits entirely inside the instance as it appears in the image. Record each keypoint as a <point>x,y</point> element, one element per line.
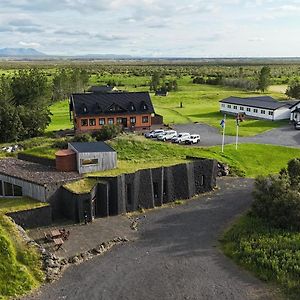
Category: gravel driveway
<point>210,136</point>
<point>175,257</point>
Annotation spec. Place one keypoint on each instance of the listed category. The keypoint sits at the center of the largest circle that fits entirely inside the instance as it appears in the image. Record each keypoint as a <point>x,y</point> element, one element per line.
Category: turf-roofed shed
<point>94,156</point>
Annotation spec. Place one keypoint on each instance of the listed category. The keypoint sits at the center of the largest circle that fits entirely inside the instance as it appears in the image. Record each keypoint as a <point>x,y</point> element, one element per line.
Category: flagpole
<point>223,137</point>
<point>237,135</point>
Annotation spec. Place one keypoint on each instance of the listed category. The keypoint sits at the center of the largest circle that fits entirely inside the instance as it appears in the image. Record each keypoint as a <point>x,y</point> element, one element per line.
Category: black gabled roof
<point>266,102</point>
<point>86,147</point>
<point>98,103</point>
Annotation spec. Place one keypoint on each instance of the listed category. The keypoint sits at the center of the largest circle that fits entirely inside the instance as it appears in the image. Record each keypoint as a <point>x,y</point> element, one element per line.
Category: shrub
<point>107,132</point>
<point>60,144</point>
<point>277,198</point>
<point>83,137</point>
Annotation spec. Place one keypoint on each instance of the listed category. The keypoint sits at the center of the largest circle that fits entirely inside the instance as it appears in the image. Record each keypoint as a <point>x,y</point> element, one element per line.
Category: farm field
<point>200,104</point>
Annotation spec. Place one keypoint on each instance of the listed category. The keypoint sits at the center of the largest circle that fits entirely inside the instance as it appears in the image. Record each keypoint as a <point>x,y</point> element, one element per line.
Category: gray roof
<point>91,147</point>
<point>101,89</point>
<point>35,173</point>
<point>266,102</point>
<point>91,104</point>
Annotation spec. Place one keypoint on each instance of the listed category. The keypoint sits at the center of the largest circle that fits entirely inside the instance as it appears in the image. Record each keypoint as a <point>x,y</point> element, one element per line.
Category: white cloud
<point>29,44</point>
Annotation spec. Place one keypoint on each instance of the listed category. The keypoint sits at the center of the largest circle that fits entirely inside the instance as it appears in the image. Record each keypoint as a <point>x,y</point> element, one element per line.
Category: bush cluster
<point>277,198</point>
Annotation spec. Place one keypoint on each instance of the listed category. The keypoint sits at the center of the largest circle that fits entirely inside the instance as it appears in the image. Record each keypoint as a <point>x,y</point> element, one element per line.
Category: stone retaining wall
<point>32,218</point>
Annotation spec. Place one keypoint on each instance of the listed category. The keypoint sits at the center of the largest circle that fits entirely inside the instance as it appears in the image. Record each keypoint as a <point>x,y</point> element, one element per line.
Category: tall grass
<point>272,254</point>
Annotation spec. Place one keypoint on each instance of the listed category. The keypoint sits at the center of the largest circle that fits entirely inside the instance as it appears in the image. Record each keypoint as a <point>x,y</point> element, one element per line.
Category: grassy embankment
<point>20,269</point>
<point>272,254</point>
<point>135,152</point>
<point>200,104</point>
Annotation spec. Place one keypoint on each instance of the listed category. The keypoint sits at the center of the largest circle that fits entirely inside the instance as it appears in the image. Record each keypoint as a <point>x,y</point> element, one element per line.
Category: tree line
<point>25,98</point>
<point>262,81</point>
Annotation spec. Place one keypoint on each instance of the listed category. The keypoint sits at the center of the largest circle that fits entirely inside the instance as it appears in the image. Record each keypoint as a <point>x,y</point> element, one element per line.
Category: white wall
<point>282,113</point>
<point>295,116</point>
<point>279,114</point>
<point>29,189</point>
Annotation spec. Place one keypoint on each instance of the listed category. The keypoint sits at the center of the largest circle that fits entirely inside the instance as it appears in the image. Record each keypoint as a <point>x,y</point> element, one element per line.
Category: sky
<point>154,28</point>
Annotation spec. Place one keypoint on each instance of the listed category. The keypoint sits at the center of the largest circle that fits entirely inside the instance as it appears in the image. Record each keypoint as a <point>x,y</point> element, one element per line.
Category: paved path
<point>175,257</point>
<point>210,136</point>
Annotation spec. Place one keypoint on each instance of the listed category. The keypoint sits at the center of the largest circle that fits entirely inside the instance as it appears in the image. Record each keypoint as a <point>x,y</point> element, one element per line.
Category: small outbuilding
<point>93,156</point>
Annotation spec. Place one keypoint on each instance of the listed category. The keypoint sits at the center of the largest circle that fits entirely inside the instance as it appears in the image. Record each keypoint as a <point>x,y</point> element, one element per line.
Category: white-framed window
<point>132,120</point>
<point>223,105</point>
<point>228,106</point>
<point>255,110</point>
<point>262,111</point>
<point>241,107</point>
<point>270,113</point>
<point>248,109</point>
<point>234,107</point>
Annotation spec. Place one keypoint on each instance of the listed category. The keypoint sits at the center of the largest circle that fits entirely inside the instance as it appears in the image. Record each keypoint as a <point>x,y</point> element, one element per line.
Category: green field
<point>200,104</point>
<point>20,269</point>
<point>272,254</point>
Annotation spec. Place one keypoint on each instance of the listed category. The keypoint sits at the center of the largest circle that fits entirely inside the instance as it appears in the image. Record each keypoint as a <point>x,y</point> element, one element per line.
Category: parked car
<point>167,135</point>
<point>153,133</point>
<point>193,139</point>
<point>181,137</point>
<point>297,125</point>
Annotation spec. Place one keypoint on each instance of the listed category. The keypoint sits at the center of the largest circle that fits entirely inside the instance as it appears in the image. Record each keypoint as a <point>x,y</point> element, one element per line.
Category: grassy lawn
<point>20,269</point>
<point>60,116</point>
<point>200,104</point>
<point>272,254</point>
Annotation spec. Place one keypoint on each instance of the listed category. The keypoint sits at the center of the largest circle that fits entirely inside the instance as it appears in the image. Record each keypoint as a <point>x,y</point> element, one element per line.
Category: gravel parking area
<point>176,256</point>
<point>210,136</point>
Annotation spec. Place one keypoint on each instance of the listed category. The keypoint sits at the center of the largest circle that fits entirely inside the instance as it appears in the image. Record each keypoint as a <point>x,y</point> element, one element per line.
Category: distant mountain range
<point>23,52</point>
<point>32,54</point>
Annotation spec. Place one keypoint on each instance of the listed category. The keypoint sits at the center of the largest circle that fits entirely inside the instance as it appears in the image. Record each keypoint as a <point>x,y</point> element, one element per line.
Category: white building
<point>295,112</point>
<point>263,107</point>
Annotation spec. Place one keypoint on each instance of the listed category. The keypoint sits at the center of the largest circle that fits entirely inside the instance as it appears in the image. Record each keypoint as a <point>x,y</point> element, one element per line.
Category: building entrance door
<point>124,122</point>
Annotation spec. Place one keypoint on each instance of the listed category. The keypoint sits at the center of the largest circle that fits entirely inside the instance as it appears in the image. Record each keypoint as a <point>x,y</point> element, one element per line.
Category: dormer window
<point>131,107</point>
<point>84,109</point>
<point>144,106</point>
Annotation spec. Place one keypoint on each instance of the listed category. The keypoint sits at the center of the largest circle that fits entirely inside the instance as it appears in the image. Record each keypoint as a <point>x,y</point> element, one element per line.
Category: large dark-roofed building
<point>93,110</point>
<point>263,107</point>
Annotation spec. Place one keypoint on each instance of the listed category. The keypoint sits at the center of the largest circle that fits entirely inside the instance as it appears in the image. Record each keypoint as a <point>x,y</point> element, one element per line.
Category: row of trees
<point>24,105</point>
<point>25,98</point>
<point>262,83</point>
<point>68,81</point>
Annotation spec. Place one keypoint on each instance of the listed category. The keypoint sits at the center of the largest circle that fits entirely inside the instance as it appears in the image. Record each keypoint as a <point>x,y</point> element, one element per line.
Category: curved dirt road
<point>176,257</point>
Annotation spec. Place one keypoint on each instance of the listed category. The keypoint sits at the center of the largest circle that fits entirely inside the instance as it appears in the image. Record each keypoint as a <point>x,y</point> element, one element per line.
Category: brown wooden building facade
<point>91,111</point>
